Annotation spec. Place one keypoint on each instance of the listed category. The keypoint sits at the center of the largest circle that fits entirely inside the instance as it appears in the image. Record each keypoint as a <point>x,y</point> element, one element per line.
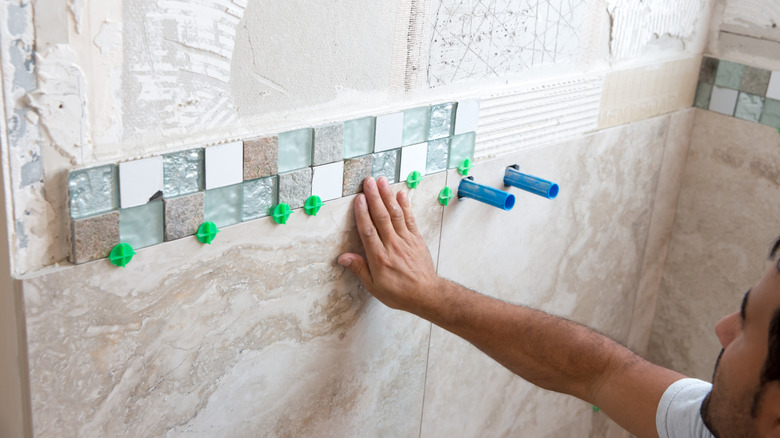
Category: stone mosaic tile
<point>260,197</point>
<point>709,68</point>
<point>755,81</point>
<point>729,74</point>
<point>295,187</point>
<point>703,94</point>
<point>749,107</point>
<point>183,215</point>
<point>93,190</point>
<point>224,205</point>
<point>386,164</point>
<point>462,147</point>
<point>224,165</point>
<point>437,156</point>
<point>328,181</point>
<point>142,226</point>
<point>770,115</point>
<point>93,237</point>
<point>416,122</point>
<point>261,157</point>
<point>328,143</point>
<point>723,100</point>
<point>355,171</point>
<point>183,172</point>
<point>295,149</point>
<point>389,132</point>
<point>359,137</point>
<point>441,120</point>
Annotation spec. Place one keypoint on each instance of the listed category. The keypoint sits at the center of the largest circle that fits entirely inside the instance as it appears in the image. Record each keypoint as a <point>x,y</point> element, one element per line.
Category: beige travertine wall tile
<point>726,221</point>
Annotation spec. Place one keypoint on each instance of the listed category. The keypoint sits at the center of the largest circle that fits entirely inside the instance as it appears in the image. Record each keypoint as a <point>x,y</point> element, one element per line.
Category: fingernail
<point>370,182</point>
<point>345,262</point>
<point>383,182</point>
<point>361,199</point>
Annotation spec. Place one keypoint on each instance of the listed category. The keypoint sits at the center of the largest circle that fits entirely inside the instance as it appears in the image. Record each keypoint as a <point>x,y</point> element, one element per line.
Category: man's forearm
<point>546,350</point>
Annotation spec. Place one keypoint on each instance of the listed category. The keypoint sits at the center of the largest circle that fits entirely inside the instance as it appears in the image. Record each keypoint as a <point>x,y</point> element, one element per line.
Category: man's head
<point>745,397</point>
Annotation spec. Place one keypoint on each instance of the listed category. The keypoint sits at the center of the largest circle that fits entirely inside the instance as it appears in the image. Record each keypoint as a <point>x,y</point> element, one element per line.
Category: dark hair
<point>771,369</point>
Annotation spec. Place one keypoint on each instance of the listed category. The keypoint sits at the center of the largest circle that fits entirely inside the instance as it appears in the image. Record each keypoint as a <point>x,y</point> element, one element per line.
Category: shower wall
<point>261,332</point>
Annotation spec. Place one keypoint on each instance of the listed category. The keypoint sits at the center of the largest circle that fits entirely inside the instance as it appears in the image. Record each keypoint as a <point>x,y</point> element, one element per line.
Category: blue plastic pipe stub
<point>482,193</point>
<point>529,183</point>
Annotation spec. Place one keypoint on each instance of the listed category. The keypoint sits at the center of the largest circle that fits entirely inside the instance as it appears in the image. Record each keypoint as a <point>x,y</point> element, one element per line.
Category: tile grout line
<point>430,324</point>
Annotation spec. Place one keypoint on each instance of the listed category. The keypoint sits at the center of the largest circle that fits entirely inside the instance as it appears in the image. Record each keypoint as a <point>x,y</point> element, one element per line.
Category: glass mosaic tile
<point>139,181</point>
<point>359,137</point>
<point>773,89</point>
<point>723,100</point>
<point>749,107</point>
<point>709,67</point>
<point>327,180</point>
<point>416,121</point>
<point>729,74</point>
<point>260,197</point>
<point>703,93</point>
<point>462,147</point>
<point>93,190</point>
<point>755,81</point>
<point>438,154</point>
<point>441,120</point>
<point>142,226</point>
<point>386,164</point>
<point>413,158</point>
<point>770,116</point>
<point>466,116</point>
<point>295,149</point>
<point>224,205</point>
<point>183,172</point>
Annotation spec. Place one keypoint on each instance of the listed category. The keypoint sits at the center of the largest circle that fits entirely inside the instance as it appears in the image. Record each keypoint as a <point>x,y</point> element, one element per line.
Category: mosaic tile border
<point>739,90</point>
<point>151,200</point>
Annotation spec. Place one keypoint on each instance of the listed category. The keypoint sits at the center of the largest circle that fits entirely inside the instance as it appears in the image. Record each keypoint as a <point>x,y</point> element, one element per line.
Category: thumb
<point>357,265</point>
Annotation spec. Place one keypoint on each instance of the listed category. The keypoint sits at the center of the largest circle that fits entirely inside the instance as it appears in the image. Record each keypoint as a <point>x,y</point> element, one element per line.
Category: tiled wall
<point>738,90</point>
<point>148,201</point>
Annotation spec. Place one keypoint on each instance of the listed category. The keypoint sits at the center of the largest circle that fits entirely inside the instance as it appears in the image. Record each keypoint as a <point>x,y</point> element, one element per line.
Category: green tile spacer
<point>207,232</point>
<point>445,195</point>
<point>312,205</point>
<point>121,255</point>
<point>465,166</point>
<point>413,180</point>
<point>281,213</point>
<point>596,408</point>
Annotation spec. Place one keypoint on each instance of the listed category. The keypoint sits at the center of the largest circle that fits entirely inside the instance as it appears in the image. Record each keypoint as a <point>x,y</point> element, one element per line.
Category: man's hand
<point>398,269</point>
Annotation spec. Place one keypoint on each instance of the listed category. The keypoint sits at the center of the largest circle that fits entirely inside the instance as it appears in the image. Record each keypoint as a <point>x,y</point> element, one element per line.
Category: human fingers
<point>358,266</point>
<point>377,209</point>
<point>368,233</point>
<point>406,207</point>
<point>396,214</point>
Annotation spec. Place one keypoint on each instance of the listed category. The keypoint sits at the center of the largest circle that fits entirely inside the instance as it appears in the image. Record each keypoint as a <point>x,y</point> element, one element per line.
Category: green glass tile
<point>224,205</point>
<point>462,147</point>
<point>295,149</point>
<point>441,121</point>
<point>749,107</point>
<point>386,164</point>
<point>142,226</point>
<point>416,122</point>
<point>438,152</point>
<point>359,137</point>
<point>183,172</point>
<point>770,114</point>
<point>259,197</point>
<point>703,93</point>
<point>729,74</point>
<point>93,191</point>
